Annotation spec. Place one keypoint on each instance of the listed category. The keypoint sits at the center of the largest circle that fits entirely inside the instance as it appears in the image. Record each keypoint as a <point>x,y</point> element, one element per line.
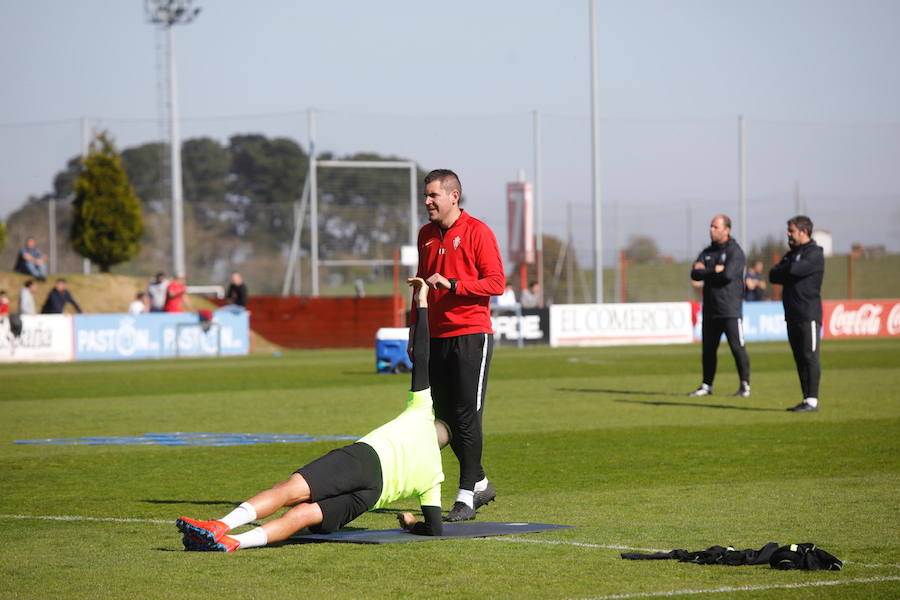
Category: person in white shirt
<point>157,292</point>
<point>531,297</point>
<point>507,299</point>
<point>138,306</point>
<point>26,299</point>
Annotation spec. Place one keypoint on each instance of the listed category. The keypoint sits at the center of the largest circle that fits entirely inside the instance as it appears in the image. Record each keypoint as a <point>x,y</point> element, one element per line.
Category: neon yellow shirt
<point>407,448</point>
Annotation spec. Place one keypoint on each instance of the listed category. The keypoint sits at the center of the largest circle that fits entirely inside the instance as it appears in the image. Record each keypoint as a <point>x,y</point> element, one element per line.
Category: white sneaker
<point>804,407</point>
<point>703,390</point>
<point>743,391</point>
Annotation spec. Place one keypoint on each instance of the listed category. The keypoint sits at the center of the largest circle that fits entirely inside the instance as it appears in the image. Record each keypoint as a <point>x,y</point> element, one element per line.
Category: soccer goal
<point>334,195</point>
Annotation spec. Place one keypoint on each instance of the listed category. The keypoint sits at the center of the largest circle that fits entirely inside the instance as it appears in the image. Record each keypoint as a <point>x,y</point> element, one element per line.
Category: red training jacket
<point>467,252</point>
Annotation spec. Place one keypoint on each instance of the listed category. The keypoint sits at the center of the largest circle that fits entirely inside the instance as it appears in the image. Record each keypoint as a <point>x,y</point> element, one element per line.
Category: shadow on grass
<point>663,402</point>
<point>297,538</point>
<point>363,373</point>
<point>197,502</point>
<point>700,405</point>
<point>605,391</point>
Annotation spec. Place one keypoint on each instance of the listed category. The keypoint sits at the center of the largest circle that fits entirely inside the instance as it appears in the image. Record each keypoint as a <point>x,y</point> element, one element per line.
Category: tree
<point>564,278</point>
<point>239,199</point>
<point>2,235</point>
<point>144,165</point>
<point>107,223</point>
<point>266,178</point>
<point>641,249</point>
<point>770,248</point>
<point>206,165</point>
<point>365,211</point>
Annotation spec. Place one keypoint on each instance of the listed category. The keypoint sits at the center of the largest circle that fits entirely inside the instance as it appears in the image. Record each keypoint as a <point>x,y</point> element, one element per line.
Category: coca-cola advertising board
<point>861,318</point>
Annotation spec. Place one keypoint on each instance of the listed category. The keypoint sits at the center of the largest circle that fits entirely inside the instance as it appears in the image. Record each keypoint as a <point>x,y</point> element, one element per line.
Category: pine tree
<point>107,222</point>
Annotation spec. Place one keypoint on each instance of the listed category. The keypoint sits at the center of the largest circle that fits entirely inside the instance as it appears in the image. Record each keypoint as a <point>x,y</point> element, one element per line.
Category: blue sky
<point>454,85</point>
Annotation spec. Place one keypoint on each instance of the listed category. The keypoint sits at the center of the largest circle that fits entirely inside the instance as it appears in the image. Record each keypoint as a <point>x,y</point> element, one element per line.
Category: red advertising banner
<point>520,222</point>
<point>861,318</point>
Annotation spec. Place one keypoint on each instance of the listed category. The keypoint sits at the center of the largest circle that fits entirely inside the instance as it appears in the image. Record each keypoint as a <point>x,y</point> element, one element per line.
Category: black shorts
<point>345,483</point>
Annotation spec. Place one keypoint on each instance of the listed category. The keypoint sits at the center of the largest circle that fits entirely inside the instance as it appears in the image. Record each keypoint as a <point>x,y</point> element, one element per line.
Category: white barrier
<point>45,338</point>
<point>621,324</point>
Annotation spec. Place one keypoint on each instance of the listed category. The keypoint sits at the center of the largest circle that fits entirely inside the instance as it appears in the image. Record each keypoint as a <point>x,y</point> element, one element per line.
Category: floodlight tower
<point>595,158</point>
<point>166,14</point>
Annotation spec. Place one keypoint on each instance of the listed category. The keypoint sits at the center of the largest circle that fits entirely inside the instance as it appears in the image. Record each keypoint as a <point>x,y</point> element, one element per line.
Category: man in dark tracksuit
<point>57,299</point>
<point>720,266</point>
<point>801,272</point>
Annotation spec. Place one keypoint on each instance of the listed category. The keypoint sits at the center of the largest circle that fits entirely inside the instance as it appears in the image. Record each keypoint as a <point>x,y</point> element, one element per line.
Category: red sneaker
<point>208,531</point>
<point>226,544</point>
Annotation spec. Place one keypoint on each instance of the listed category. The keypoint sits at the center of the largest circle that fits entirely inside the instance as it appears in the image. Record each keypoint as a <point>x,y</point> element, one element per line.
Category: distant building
<point>857,250</point>
<point>824,239</point>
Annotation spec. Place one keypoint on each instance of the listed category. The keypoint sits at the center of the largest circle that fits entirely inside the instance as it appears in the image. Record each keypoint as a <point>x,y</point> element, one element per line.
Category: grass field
<point>601,439</point>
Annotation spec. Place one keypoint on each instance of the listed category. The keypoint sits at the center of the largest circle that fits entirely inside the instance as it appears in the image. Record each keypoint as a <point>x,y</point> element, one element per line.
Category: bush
<point>107,223</point>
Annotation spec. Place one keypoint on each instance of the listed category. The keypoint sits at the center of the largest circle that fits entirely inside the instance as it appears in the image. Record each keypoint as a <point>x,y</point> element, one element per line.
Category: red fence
<point>297,322</point>
<point>861,318</point>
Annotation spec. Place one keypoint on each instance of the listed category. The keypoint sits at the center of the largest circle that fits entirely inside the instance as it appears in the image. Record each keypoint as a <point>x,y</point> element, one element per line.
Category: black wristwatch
<point>452,286</point>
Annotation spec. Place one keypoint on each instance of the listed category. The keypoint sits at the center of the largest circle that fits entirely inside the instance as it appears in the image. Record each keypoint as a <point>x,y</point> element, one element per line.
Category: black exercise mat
<point>469,529</point>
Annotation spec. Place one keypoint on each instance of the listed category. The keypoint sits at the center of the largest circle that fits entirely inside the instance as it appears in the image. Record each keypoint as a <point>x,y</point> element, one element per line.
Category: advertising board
<point>861,318</point>
<point>160,335</point>
<point>621,324</point>
<point>763,322</point>
<point>532,326</point>
<point>44,338</point>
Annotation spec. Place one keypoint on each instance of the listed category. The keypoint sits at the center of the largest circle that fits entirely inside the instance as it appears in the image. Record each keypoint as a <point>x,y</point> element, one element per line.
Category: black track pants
<point>459,372</point>
<point>712,334</point>
<point>804,337</point>
<point>421,351</point>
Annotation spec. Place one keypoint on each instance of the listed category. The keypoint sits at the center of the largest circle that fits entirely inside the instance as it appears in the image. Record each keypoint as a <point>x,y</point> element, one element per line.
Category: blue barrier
<point>763,322</point>
<point>160,335</point>
<point>189,439</point>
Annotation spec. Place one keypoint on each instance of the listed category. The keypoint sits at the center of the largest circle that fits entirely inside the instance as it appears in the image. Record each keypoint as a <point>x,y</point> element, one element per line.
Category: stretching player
<point>333,490</point>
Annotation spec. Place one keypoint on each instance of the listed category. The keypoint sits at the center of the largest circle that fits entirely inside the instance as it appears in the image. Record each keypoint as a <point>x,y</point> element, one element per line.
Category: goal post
<point>313,200</point>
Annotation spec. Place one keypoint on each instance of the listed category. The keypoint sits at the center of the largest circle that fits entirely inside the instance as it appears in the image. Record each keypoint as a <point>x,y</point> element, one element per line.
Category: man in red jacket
<point>460,260</point>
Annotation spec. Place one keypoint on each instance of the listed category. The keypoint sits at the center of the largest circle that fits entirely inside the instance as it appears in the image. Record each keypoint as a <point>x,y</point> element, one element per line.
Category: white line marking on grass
<point>850,562</point>
<point>496,539</point>
<point>620,547</point>
<point>560,543</point>
<point>744,588</point>
<point>71,518</point>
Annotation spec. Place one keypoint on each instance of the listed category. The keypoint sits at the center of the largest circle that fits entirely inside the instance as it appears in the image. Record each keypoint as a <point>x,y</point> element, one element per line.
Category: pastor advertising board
<point>44,338</point>
<point>762,322</point>
<point>621,324</point>
<point>160,335</point>
<point>861,318</point>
